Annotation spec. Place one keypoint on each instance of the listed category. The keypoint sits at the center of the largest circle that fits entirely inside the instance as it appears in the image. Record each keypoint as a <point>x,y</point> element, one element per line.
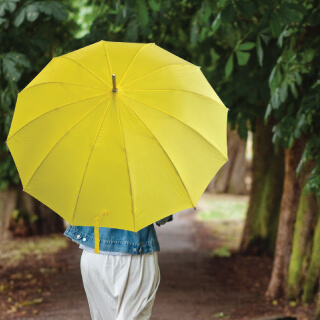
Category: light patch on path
<point>177,235</point>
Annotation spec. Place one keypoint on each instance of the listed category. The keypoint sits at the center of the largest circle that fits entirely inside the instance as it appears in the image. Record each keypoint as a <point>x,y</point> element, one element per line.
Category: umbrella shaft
<point>114,83</point>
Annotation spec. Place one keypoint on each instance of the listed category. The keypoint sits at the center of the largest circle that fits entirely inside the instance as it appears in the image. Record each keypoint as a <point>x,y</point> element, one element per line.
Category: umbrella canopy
<point>118,135</point>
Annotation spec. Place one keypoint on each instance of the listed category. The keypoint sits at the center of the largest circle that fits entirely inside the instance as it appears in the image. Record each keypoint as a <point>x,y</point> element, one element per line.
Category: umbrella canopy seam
<point>213,146</point>
<point>178,90</point>
<point>73,84</point>
<point>60,140</point>
<point>169,65</point>
<point>84,67</point>
<point>128,68</point>
<point>130,109</point>
<point>125,150</point>
<point>92,147</point>
<point>64,105</point>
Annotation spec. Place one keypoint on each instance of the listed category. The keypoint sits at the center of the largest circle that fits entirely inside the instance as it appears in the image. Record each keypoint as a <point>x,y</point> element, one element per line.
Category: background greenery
<point>261,57</point>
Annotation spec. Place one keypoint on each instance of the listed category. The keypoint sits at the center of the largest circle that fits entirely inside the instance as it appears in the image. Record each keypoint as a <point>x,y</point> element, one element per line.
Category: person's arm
<point>164,220</point>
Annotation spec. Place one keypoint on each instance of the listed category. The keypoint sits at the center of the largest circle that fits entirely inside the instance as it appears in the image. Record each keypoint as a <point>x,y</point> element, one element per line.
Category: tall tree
<point>293,86</point>
<point>31,33</point>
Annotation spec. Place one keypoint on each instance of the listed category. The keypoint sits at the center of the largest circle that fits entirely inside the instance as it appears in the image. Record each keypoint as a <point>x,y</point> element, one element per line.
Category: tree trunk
<point>8,202</point>
<point>317,317</point>
<point>289,206</point>
<point>231,177</point>
<point>22,215</point>
<point>304,232</point>
<point>312,275</point>
<point>259,233</point>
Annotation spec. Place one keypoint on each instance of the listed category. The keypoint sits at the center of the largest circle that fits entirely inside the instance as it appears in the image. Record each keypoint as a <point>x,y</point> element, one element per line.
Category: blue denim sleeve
<point>164,220</point>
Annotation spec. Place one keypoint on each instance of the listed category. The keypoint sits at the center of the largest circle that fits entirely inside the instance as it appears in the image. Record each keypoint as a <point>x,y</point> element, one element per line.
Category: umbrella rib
<point>107,56</point>
<point>51,82</point>
<point>152,107</point>
<point>164,152</point>
<point>148,74</point>
<point>146,45</point>
<point>85,171</point>
<point>61,139</point>
<point>64,105</point>
<point>84,67</point>
<point>186,91</point>
<point>125,150</point>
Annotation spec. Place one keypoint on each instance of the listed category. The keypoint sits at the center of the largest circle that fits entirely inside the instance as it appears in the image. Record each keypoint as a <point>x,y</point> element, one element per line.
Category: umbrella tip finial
<point>114,89</point>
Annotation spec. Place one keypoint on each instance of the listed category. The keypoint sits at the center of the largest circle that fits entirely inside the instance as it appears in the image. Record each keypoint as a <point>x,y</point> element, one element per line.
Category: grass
<point>225,216</point>
<point>224,209</point>
<point>15,250</point>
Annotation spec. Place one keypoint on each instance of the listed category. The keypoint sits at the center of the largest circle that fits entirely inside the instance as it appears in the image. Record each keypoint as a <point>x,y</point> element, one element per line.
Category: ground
<point>194,284</point>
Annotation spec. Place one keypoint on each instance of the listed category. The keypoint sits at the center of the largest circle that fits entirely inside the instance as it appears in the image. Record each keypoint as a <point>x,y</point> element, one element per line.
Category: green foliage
<point>222,252</point>
<point>31,10</point>
<point>259,56</point>
<point>229,66</point>
<point>31,33</point>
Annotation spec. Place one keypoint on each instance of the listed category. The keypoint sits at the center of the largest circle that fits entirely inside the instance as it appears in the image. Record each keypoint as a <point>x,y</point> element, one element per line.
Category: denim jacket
<point>118,240</point>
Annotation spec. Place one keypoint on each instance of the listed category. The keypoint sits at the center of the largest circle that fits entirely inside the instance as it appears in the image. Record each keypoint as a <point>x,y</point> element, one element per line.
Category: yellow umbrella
<point>118,135</point>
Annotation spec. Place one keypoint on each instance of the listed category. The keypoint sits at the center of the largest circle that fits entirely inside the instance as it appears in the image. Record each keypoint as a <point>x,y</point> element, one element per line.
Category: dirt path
<point>193,285</point>
<point>197,286</point>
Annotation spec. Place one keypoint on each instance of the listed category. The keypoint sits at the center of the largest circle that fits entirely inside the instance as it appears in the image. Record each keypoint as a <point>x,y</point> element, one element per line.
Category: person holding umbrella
<point>118,135</point>
<point>122,280</point>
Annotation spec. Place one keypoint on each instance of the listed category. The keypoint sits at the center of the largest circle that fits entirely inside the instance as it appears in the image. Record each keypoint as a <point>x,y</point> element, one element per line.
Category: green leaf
<point>143,13</point>
<point>205,13</point>
<point>154,5</point>
<point>246,46</point>
<point>298,78</point>
<point>283,92</point>
<point>194,32</point>
<point>275,77</point>
<point>32,12</point>
<point>275,25</point>
<point>19,18</point>
<point>12,63</point>
<point>283,34</point>
<point>301,120</point>
<point>214,56</point>
<point>229,66</point>
<point>308,55</point>
<point>246,8</point>
<point>227,14</point>
<point>59,11</point>
<point>10,70</point>
<point>4,22</point>
<point>132,31</point>
<point>7,5</point>
<point>19,58</point>
<point>222,251</point>
<point>268,113</point>
<point>182,35</point>
<point>32,302</point>
<point>242,57</point>
<point>293,89</point>
<point>203,34</point>
<point>220,315</point>
<point>259,51</point>
<point>297,133</point>
<point>265,37</point>
<point>216,23</point>
<point>289,15</point>
<point>53,8</point>
<point>221,3</point>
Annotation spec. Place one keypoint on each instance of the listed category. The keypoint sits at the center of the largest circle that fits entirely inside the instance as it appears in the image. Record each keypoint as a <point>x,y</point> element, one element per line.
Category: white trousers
<point>120,287</point>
